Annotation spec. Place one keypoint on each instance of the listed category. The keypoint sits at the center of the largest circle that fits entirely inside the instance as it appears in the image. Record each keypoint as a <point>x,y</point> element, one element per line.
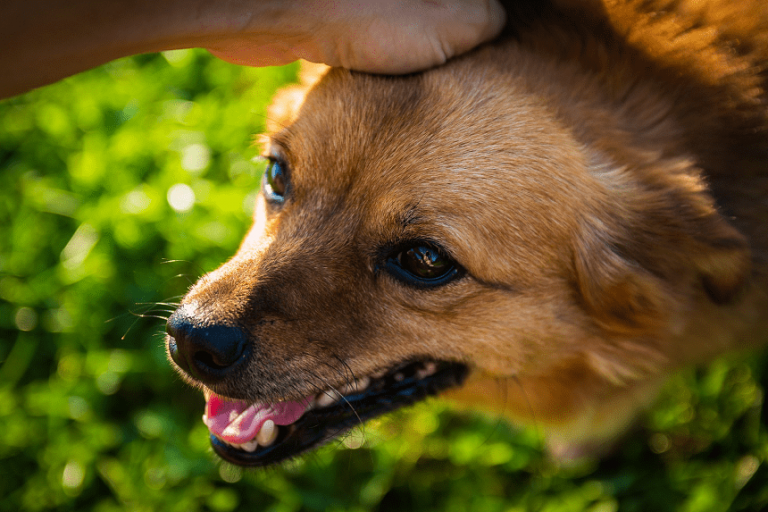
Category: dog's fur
<point>600,172</point>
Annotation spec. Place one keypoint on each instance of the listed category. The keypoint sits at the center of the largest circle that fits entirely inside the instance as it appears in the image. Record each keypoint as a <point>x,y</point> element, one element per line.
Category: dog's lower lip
<point>400,387</point>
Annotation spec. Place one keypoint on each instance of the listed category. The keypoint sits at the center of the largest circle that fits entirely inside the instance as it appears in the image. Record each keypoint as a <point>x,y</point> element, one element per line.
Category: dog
<point>547,226</point>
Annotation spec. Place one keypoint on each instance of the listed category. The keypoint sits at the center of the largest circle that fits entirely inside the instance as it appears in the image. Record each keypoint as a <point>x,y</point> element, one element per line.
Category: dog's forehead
<point>438,149</point>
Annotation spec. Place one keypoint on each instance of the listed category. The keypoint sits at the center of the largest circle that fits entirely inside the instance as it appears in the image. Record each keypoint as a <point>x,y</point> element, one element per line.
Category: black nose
<point>207,352</point>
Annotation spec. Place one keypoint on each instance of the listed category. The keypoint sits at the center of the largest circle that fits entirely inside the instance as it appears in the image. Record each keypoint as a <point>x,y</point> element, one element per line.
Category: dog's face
<point>410,231</point>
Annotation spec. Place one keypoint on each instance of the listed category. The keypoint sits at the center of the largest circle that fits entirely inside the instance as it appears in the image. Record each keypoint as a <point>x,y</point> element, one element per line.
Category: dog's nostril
<point>206,359</point>
<point>208,352</point>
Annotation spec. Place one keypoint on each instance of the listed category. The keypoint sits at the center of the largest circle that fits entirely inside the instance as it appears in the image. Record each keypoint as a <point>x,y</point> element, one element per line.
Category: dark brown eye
<point>424,262</point>
<point>423,265</point>
<point>274,181</point>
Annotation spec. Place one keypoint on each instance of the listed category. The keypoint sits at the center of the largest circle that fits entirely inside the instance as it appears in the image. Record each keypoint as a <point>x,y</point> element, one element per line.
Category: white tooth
<point>327,398</point>
<point>355,387</point>
<point>251,445</point>
<point>427,370</point>
<point>267,434</point>
<point>399,377</point>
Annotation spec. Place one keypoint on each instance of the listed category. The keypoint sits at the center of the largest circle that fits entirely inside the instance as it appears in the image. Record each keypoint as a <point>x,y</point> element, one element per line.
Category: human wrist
<point>42,41</point>
<point>255,32</point>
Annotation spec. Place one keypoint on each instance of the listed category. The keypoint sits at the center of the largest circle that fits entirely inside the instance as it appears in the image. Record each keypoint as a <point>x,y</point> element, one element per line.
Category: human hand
<point>377,36</point>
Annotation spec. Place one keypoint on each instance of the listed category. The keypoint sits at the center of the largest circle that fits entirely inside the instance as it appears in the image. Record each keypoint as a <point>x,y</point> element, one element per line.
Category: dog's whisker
<point>166,261</point>
<point>338,394</point>
<point>159,310</point>
<point>159,317</point>
<point>150,310</point>
<point>319,388</point>
<point>170,304</point>
<point>351,379</point>
<point>200,269</point>
<point>129,327</point>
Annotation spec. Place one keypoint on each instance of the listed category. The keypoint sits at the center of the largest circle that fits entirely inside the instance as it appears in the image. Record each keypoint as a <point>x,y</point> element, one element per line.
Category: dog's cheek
<point>499,332</point>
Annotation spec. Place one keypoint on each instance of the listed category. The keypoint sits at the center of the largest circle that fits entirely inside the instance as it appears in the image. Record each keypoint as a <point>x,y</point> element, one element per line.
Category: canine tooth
<point>428,369</point>
<point>399,377</point>
<point>357,386</point>
<point>267,434</point>
<point>251,445</point>
<point>327,398</point>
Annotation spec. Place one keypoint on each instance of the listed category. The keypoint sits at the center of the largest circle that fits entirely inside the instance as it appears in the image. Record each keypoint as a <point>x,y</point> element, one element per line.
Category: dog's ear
<point>665,242</point>
<point>620,295</point>
<point>287,102</point>
<point>722,257</point>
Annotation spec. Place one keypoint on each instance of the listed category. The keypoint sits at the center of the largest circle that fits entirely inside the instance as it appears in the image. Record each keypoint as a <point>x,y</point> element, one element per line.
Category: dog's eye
<point>422,265</point>
<point>274,181</point>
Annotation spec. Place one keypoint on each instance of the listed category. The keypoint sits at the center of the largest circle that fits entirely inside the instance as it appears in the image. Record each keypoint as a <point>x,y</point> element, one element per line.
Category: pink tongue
<point>239,422</point>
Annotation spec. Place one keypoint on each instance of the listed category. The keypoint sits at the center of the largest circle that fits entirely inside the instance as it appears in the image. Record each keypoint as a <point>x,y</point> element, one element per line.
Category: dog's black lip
<point>320,425</point>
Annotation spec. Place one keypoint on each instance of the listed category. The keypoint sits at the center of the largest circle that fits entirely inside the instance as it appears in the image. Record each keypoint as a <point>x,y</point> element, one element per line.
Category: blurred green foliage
<point>118,187</point>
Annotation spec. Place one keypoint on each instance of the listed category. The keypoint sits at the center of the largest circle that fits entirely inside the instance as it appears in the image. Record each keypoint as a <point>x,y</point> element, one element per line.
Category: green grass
<point>92,417</point>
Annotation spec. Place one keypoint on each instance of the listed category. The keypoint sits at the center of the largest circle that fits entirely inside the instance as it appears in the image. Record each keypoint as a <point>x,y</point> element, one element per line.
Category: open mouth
<point>263,434</point>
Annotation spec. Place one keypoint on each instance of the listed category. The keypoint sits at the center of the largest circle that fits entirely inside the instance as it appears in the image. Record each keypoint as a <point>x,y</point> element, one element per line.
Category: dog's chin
<point>333,412</point>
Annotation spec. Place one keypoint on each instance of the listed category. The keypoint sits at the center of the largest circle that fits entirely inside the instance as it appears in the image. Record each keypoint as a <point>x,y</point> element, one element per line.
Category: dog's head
<point>413,230</point>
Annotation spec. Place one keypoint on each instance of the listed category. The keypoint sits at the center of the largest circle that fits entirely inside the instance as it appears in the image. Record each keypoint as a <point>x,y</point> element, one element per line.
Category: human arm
<point>42,41</point>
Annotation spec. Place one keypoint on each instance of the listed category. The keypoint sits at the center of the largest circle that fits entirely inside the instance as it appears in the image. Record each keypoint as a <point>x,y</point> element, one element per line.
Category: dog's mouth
<point>259,434</point>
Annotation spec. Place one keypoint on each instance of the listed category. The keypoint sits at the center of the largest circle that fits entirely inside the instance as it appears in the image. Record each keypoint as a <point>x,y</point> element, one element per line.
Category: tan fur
<point>601,172</point>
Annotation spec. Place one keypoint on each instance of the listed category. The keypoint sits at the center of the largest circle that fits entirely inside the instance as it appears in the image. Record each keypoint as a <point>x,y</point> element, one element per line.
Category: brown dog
<point>556,221</point>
